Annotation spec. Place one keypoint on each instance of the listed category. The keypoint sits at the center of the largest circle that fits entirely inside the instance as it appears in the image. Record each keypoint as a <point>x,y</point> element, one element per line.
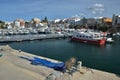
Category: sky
<point>54,9</point>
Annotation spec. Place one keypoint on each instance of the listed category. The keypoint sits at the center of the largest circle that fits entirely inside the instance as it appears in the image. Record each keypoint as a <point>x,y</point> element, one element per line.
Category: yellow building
<point>107,21</point>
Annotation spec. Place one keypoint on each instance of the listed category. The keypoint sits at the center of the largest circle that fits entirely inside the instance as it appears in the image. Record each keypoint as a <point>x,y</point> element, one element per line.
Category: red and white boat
<point>89,36</point>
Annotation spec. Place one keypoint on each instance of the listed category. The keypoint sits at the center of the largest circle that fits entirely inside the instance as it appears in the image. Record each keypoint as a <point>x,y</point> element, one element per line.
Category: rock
<point>64,77</point>
<point>58,76</point>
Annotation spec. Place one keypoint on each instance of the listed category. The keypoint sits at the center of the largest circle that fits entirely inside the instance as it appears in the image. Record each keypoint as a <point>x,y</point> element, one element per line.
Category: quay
<point>12,67</point>
<point>18,38</point>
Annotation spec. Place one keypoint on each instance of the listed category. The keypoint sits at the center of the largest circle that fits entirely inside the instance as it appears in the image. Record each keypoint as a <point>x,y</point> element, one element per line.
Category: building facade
<point>19,23</point>
<point>116,20</point>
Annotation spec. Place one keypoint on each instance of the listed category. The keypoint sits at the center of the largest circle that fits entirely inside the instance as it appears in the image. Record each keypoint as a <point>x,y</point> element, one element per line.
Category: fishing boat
<point>89,36</point>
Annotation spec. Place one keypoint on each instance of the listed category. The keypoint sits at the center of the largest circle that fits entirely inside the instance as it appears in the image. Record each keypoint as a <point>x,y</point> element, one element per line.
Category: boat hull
<point>97,42</point>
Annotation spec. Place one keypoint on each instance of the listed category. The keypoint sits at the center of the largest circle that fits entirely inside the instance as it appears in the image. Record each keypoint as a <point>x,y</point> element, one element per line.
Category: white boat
<point>34,31</point>
<point>109,40</point>
<point>116,34</point>
<point>89,36</point>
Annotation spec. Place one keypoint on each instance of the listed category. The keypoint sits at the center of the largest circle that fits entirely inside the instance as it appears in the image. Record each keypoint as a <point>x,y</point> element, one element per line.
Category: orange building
<point>107,21</point>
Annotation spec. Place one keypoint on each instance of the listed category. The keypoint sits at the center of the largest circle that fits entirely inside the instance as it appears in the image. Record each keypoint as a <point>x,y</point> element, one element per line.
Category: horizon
<point>53,9</point>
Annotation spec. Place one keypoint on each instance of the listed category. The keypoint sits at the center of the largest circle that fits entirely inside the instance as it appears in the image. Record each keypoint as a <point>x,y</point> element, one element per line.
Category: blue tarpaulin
<point>43,62</point>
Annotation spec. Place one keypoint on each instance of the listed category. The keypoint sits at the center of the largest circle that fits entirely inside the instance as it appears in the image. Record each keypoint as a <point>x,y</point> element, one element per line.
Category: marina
<point>59,40</point>
<point>104,58</point>
<point>52,39</point>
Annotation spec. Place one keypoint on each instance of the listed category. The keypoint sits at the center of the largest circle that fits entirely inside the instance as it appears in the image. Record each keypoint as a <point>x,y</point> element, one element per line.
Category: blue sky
<point>53,9</point>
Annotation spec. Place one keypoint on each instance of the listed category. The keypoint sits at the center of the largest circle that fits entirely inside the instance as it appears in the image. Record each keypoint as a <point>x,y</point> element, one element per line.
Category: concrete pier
<point>12,67</point>
<point>18,38</point>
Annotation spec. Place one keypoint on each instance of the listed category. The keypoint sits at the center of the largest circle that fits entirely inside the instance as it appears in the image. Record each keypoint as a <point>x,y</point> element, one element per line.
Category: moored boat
<point>109,40</point>
<point>89,36</point>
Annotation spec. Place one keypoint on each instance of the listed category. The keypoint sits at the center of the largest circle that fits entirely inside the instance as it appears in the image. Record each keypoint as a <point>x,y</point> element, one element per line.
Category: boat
<point>89,36</point>
<point>109,40</point>
<point>116,34</point>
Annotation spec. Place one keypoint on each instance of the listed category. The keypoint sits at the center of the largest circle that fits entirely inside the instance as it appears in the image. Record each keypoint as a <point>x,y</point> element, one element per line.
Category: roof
<point>107,20</point>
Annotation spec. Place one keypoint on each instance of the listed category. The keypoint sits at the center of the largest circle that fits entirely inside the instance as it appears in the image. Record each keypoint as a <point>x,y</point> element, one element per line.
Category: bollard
<point>79,65</point>
<point>19,50</point>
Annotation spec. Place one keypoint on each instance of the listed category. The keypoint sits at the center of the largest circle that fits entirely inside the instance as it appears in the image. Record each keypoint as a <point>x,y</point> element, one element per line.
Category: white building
<point>9,25</point>
<point>19,23</point>
<point>116,20</point>
<point>75,21</point>
<point>57,20</point>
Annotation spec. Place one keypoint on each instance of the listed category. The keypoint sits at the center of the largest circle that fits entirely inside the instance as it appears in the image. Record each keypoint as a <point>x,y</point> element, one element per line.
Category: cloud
<point>80,15</point>
<point>97,8</point>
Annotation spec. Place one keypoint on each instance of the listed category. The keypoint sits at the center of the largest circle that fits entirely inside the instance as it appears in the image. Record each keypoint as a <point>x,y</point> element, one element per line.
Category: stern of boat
<point>102,42</point>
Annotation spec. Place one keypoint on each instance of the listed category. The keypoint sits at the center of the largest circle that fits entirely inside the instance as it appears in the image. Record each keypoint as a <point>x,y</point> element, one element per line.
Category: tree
<point>2,24</point>
<point>103,28</point>
<point>84,21</point>
<point>45,20</point>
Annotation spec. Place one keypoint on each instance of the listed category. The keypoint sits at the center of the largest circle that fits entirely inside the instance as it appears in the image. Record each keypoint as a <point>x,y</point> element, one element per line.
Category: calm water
<point>106,58</point>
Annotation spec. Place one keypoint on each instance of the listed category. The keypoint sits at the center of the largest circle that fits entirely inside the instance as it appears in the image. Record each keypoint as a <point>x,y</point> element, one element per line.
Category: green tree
<point>2,24</point>
<point>103,28</point>
<point>84,21</point>
<point>45,19</point>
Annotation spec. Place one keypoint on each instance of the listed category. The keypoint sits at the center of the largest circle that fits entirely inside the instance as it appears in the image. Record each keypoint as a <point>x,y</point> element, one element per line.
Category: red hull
<point>98,42</point>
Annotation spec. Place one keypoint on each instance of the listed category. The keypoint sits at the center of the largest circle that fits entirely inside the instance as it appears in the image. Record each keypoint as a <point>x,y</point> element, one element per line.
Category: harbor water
<point>105,58</point>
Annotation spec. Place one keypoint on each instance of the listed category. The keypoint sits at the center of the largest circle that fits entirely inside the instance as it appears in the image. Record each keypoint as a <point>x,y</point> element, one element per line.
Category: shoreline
<point>12,63</point>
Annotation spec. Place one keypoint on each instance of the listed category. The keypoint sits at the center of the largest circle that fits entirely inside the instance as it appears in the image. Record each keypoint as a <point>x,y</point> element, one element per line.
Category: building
<point>28,24</point>
<point>83,22</point>
<point>19,23</point>
<point>74,22</point>
<point>9,25</point>
<point>99,20</point>
<point>91,22</point>
<point>116,20</point>
<point>35,22</point>
<point>107,22</point>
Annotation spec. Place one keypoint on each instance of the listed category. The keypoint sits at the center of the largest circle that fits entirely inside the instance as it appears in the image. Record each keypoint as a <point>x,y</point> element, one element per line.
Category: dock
<point>18,38</point>
<point>12,67</point>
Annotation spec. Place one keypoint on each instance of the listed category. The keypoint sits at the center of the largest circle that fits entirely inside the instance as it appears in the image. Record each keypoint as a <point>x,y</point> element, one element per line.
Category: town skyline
<point>28,9</point>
